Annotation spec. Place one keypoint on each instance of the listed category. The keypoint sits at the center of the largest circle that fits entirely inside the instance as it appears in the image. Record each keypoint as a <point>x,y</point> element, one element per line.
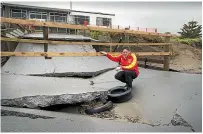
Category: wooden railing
<point>81,27</point>
<point>45,41</point>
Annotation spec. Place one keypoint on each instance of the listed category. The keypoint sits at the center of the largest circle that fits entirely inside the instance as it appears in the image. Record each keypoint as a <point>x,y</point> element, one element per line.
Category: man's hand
<point>118,68</point>
<point>103,53</point>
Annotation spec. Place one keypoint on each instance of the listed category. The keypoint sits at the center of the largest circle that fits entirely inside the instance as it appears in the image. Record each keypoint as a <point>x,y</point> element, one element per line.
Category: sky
<point>165,16</point>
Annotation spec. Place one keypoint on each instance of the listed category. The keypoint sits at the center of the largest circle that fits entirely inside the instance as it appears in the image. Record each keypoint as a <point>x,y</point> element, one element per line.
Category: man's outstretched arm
<point>113,58</point>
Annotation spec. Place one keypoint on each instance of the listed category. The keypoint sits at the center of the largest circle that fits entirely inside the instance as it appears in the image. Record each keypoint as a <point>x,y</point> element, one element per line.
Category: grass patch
<point>187,41</point>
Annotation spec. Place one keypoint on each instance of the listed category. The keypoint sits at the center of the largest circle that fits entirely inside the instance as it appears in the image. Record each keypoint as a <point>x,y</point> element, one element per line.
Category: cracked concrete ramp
<point>17,86</point>
<point>158,95</point>
<point>33,91</point>
<point>47,121</point>
<point>79,124</point>
<point>40,65</point>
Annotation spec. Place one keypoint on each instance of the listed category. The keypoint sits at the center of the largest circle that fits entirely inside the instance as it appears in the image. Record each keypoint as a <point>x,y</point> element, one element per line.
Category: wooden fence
<point>45,41</point>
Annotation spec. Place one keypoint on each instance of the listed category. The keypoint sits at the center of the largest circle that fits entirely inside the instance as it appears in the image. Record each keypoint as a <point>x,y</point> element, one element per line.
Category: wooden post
<point>84,34</point>
<point>167,57</point>
<point>111,42</point>
<point>125,38</point>
<point>45,36</point>
<point>118,26</point>
<point>6,14</point>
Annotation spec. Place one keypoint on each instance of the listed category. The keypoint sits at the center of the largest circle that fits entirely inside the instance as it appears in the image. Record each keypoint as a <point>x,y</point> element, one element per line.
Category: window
<point>53,30</point>
<point>61,30</point>
<point>58,17</point>
<point>103,21</point>
<point>38,15</point>
<point>79,19</point>
<point>38,28</point>
<point>18,13</point>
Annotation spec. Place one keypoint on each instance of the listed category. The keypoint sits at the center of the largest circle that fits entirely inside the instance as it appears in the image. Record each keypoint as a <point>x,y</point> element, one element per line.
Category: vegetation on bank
<point>191,30</point>
<point>190,34</point>
<point>187,41</point>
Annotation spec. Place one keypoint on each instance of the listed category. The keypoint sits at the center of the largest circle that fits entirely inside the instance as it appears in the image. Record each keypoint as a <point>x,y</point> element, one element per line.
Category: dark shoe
<point>128,86</point>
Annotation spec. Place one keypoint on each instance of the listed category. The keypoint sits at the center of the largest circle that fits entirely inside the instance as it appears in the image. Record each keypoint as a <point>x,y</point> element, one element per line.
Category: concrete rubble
<point>159,97</point>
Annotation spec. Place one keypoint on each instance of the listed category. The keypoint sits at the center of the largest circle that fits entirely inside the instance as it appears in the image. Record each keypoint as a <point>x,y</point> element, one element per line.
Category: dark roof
<point>53,9</point>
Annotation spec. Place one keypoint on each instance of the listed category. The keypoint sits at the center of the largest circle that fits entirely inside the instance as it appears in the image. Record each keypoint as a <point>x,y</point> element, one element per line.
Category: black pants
<point>126,77</point>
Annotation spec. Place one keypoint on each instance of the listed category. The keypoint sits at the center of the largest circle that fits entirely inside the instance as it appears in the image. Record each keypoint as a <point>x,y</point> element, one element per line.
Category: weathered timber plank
<point>80,43</point>
<point>71,26</point>
<point>74,54</point>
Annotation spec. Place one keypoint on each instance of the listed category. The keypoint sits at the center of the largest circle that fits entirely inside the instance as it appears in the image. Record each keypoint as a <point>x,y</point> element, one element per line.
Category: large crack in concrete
<point>21,114</point>
<point>179,121</point>
<point>41,101</point>
<point>74,74</point>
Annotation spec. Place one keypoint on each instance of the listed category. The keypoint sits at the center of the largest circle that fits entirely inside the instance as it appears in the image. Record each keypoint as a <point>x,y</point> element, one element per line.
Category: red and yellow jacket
<point>129,63</point>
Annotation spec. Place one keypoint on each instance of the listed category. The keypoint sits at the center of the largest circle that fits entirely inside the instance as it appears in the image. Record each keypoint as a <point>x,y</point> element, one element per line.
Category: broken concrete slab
<point>9,35</point>
<point>24,92</point>
<point>36,113</point>
<point>17,86</point>
<point>14,34</point>
<point>21,114</point>
<point>159,103</point>
<point>59,36</point>
<point>158,95</point>
<point>41,101</point>
<point>79,123</point>
<point>40,113</point>
<point>21,33</point>
<point>17,32</point>
<point>192,103</point>
<point>40,65</point>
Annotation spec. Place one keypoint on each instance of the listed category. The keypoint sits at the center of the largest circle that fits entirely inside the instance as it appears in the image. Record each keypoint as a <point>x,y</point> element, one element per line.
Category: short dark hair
<point>127,48</point>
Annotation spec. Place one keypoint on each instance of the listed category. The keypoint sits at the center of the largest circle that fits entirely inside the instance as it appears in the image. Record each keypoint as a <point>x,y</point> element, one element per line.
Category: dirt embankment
<point>186,58</point>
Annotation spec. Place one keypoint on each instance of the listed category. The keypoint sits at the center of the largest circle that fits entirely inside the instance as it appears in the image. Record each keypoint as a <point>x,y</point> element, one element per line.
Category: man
<point>85,23</point>
<point>128,65</point>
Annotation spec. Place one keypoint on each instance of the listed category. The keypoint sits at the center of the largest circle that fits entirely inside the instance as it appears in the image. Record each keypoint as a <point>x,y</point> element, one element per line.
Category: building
<point>57,15</point>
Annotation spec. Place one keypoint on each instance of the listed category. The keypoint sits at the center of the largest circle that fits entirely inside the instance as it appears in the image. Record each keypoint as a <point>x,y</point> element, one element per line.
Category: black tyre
<point>119,94</point>
<point>125,99</point>
<point>103,108</point>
